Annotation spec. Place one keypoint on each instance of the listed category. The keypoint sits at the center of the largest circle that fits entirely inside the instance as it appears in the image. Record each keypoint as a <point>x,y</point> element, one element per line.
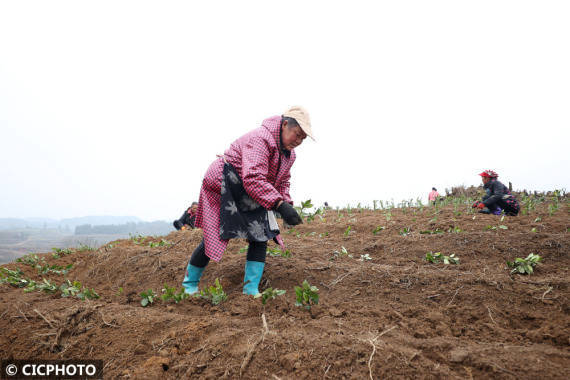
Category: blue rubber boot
<point>253,272</point>
<point>192,278</point>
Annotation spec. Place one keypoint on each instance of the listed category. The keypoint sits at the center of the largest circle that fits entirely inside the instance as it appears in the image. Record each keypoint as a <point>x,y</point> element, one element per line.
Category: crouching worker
<point>240,191</point>
<point>498,197</point>
<point>187,220</point>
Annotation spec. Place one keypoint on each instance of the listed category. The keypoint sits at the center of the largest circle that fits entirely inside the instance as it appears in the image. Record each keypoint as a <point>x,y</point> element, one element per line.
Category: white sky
<point>118,107</point>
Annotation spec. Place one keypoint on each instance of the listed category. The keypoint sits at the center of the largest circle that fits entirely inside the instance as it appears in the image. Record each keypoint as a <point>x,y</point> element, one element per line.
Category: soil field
<point>394,316</point>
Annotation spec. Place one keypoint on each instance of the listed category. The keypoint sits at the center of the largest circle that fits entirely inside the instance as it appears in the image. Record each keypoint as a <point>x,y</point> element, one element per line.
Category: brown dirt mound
<point>393,316</point>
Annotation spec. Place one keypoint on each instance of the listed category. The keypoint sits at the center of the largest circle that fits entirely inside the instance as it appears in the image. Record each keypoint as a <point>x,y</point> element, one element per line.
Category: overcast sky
<point>119,107</point>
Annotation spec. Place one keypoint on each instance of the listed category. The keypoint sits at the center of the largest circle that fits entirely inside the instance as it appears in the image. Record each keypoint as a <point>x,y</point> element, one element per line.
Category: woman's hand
<point>289,214</point>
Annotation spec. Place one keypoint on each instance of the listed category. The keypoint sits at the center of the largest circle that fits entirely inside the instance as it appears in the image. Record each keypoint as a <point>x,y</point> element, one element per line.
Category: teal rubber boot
<point>253,272</point>
<point>192,278</point>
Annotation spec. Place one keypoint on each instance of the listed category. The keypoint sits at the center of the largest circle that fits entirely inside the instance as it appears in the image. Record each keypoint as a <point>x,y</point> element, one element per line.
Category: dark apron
<point>240,216</point>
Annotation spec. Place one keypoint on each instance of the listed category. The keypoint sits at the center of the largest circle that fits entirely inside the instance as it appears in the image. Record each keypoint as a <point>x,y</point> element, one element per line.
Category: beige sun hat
<point>302,116</point>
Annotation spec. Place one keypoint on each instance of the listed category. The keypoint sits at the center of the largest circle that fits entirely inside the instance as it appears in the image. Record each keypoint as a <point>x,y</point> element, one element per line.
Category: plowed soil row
<point>393,316</point>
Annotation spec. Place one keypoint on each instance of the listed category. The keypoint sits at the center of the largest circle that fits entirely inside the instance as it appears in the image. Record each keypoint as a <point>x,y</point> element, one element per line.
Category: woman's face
<point>485,180</point>
<point>291,137</point>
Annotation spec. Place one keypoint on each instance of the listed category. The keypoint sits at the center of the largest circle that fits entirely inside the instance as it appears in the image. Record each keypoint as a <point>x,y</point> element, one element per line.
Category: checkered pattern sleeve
<point>283,188</point>
<point>255,166</point>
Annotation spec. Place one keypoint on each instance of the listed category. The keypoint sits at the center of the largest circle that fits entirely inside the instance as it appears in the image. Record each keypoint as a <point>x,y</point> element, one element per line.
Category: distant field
<point>16,243</point>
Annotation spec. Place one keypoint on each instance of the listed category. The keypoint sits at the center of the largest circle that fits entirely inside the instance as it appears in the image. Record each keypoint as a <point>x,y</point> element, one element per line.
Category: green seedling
<point>430,232</point>
<point>277,252</point>
<point>378,229</point>
<point>161,243</point>
<point>30,259</point>
<point>307,295</point>
<point>529,205</point>
<point>318,212</point>
<point>405,231</point>
<point>268,294</point>
<point>343,252</point>
<point>167,292</point>
<point>180,296</point>
<point>496,228</point>
<point>138,239</point>
<point>88,293</point>
<point>62,252</point>
<point>419,204</point>
<point>455,230</point>
<point>70,289</point>
<point>243,249</point>
<point>85,248</point>
<point>31,287</point>
<point>56,269</point>
<point>438,257</point>
<point>215,294</point>
<point>326,234</point>
<point>552,208</point>
<point>47,286</point>
<point>538,219</point>
<point>170,293</point>
<point>74,289</point>
<point>13,277</point>
<point>119,291</point>
<point>533,229</point>
<point>347,231</point>
<point>365,257</point>
<point>147,298</point>
<point>524,266</point>
<point>304,206</point>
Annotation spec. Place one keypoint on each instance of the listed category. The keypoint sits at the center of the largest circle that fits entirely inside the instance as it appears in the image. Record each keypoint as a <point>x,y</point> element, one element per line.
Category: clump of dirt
<point>395,315</point>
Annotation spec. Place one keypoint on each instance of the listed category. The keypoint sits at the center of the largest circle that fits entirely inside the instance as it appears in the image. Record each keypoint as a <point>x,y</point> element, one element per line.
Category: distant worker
<point>498,197</point>
<point>433,196</point>
<point>240,192</point>
<point>188,219</point>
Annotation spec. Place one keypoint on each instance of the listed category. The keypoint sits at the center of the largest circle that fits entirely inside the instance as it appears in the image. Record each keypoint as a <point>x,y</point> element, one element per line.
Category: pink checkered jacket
<point>264,170</point>
<point>433,195</point>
